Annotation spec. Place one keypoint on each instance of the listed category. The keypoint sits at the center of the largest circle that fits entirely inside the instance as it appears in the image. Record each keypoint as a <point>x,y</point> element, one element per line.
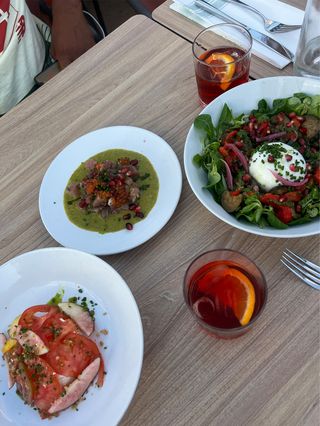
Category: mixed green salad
<point>264,166</point>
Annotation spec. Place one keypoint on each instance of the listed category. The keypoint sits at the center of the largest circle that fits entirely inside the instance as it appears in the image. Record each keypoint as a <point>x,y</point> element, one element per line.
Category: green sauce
<point>149,188</point>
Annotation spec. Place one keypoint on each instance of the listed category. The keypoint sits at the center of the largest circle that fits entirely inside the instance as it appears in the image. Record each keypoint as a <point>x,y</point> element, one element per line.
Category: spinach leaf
<point>204,122</point>
<point>275,222</point>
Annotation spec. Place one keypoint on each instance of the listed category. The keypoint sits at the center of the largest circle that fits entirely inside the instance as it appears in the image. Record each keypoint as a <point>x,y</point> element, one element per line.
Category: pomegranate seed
<point>303,130</point>
<point>282,199</point>
<point>82,204</point>
<point>129,226</point>
<point>302,149</point>
<point>298,208</point>
<point>308,167</point>
<point>292,115</point>
<point>292,168</point>
<point>132,206</point>
<point>239,144</point>
<point>288,157</point>
<point>270,159</point>
<point>140,214</point>
<point>134,162</point>
<point>302,142</point>
<point>137,209</point>
<point>126,216</point>
<point>246,178</point>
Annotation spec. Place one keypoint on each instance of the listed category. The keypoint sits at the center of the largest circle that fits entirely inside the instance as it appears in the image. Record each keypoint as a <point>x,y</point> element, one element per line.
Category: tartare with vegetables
<point>111,191</point>
<point>50,356</point>
<point>264,166</point>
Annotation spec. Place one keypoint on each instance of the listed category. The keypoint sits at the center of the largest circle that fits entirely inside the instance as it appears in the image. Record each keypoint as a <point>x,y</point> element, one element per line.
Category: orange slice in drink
<point>224,69</point>
<point>231,288</point>
<point>242,292</point>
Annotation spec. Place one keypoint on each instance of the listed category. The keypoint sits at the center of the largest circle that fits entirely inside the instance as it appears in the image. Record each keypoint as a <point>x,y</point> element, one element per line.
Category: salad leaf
<point>204,122</point>
<point>300,103</point>
<point>275,222</point>
<point>57,298</point>
<point>311,203</point>
<point>253,210</point>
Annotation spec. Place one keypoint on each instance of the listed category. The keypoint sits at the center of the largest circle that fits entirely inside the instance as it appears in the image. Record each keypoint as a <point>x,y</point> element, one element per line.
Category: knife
<point>256,35</point>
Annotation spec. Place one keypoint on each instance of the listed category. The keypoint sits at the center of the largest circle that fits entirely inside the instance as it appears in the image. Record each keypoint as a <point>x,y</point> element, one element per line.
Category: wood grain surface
<point>142,75</point>
<point>189,29</point>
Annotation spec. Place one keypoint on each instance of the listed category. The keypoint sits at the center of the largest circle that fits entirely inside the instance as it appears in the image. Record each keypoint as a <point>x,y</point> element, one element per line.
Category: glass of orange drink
<point>221,56</point>
<point>225,291</point>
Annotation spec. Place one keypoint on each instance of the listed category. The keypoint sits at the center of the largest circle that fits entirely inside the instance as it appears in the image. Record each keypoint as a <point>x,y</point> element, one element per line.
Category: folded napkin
<point>273,9</point>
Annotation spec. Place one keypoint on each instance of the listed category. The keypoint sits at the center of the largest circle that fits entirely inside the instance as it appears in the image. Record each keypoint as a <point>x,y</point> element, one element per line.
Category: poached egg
<point>276,159</point>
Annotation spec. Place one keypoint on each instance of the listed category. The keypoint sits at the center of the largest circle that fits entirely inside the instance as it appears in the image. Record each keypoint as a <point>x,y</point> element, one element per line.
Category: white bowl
<point>241,99</point>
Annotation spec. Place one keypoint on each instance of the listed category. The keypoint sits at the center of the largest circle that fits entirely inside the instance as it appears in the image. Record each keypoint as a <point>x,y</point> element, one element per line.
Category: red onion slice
<point>239,154</point>
<point>271,137</point>
<point>229,178</point>
<point>287,182</point>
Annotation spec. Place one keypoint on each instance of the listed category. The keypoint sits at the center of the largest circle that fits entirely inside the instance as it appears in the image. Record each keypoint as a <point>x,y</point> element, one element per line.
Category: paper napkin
<point>273,9</point>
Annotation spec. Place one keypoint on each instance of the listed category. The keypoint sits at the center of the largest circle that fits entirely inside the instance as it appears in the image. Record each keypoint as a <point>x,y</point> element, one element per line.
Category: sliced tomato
<point>72,354</point>
<point>45,384</point>
<point>34,317</point>
<point>56,327</point>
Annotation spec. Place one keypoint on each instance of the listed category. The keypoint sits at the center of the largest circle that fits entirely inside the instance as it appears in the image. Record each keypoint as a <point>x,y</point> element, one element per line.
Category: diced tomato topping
<point>223,151</point>
<point>284,213</point>
<point>293,196</point>
<point>230,136</point>
<point>317,175</point>
<point>269,199</point>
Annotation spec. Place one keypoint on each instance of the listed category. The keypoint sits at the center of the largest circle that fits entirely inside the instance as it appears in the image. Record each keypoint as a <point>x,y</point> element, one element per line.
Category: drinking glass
<point>225,292</point>
<point>307,60</point>
<point>221,56</point>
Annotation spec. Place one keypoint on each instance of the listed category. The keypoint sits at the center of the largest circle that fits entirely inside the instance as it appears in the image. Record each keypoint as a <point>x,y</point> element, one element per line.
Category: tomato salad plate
<point>110,190</point>
<point>252,157</point>
<point>71,339</point>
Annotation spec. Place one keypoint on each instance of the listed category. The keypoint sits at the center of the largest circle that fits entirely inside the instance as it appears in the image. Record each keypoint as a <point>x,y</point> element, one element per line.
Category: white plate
<point>159,153</point>
<point>33,278</point>
<point>241,99</point>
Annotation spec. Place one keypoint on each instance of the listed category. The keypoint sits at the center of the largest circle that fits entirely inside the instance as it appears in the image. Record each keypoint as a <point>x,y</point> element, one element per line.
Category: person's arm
<point>71,34</point>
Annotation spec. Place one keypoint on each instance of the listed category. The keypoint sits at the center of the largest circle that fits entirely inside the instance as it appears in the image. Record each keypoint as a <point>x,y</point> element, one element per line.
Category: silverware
<point>269,24</point>
<point>307,271</point>
<point>256,35</point>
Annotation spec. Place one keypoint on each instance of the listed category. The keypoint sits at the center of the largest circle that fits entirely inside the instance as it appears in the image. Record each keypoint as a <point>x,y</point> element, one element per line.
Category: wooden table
<point>189,29</point>
<point>141,75</point>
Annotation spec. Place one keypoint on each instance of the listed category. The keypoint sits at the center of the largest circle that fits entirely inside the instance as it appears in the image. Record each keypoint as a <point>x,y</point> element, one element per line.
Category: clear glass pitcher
<point>307,59</point>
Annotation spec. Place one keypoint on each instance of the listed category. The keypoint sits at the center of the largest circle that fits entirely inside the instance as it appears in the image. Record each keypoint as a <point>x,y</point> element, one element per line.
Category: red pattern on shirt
<point>4,16</point>
<point>21,27</point>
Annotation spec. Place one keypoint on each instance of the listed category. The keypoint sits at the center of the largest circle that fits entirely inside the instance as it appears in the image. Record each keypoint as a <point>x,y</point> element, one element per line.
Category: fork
<point>269,24</point>
<point>307,271</point>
